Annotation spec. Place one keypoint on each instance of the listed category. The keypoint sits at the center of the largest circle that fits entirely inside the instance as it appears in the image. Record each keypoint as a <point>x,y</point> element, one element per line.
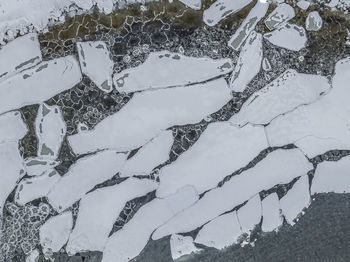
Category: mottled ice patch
<point>36,166</point>
<point>20,54</point>
<point>250,214</point>
<point>83,176</point>
<point>221,232</point>
<point>33,256</point>
<point>264,175</point>
<point>248,64</point>
<point>313,21</point>
<point>209,160</point>
<point>96,63</point>
<point>129,241</point>
<point>303,4</point>
<point>248,24</point>
<point>280,15</point>
<point>181,246</point>
<point>170,69</point>
<point>272,218</point>
<point>194,4</point>
<point>296,199</point>
<point>288,91</point>
<point>12,127</point>
<point>289,36</point>
<point>149,113</point>
<point>152,154</point>
<point>35,85</point>
<point>221,9</point>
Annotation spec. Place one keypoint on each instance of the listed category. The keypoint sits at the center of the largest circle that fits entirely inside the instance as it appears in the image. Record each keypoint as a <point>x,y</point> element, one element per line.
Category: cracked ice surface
<point>271,213</point>
<point>12,128</point>
<point>250,214</point>
<point>181,246</point>
<point>281,14</point>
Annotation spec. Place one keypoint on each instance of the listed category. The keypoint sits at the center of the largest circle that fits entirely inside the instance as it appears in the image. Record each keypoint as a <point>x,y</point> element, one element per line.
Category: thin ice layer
<point>95,62</point>
<point>248,64</point>
<point>280,15</point>
<point>209,160</point>
<point>181,246</point>
<point>170,69</point>
<point>33,86</point>
<point>250,214</point>
<point>154,153</point>
<point>264,175</point>
<point>99,210</point>
<point>12,126</point>
<point>149,113</point>
<point>129,241</point>
<point>83,176</point>
<point>288,91</point>
<point>272,218</point>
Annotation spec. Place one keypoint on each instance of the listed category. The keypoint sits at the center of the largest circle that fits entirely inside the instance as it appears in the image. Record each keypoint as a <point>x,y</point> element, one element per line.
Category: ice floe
<point>303,5</point>
<point>194,4</point>
<point>96,63</point>
<point>181,246</point>
<point>288,91</point>
<point>99,210</point>
<point>83,176</point>
<point>209,160</point>
<point>313,21</point>
<point>296,199</point>
<point>250,214</point>
<point>221,9</point>
<point>129,241</point>
<point>248,24</point>
<point>272,218</point>
<point>36,166</point>
<point>149,113</point>
<point>280,15</point>
<point>40,83</point>
<point>264,175</point>
<point>170,69</point>
<point>152,154</point>
<point>12,126</point>
<point>221,232</point>
<point>248,64</point>
<point>33,256</point>
<point>289,36</point>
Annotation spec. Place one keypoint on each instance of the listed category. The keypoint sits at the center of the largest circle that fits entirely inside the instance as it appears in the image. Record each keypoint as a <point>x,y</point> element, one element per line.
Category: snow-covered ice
<point>33,256</point>
<point>12,126</point>
<point>194,4</point>
<point>248,64</point>
<point>96,63</point>
<point>288,91</point>
<point>209,160</point>
<point>272,218</point>
<point>249,215</point>
<point>182,246</point>
<point>170,69</point>
<point>303,4</point>
<point>280,15</point>
<point>313,21</point>
<point>36,166</point>
<point>149,113</point>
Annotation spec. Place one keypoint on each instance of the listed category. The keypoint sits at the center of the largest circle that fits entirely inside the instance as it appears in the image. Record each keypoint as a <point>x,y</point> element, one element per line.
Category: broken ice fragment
<point>95,62</point>
<point>281,14</point>
<point>149,113</point>
<point>288,91</point>
<point>181,246</point>
<point>165,69</point>
<point>314,21</point>
<point>33,256</point>
<point>36,166</point>
<point>12,127</point>
<point>194,4</point>
<point>266,65</point>
<point>272,218</point>
<point>303,4</point>
<point>249,215</point>
<point>248,64</point>
<point>289,36</point>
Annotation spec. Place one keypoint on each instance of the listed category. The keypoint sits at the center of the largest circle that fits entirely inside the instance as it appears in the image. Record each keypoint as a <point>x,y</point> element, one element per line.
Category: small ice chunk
<point>303,5</point>
<point>55,232</point>
<point>194,4</point>
<point>83,176</point>
<point>249,215</point>
<point>106,6</point>
<point>40,83</point>
<point>36,166</point>
<point>20,54</point>
<point>154,153</point>
<point>12,126</point>
<point>289,36</point>
<point>95,62</point>
<point>181,246</point>
<point>171,69</point>
<point>248,64</point>
<point>149,113</point>
<point>50,129</point>
<point>288,91</point>
<point>314,21</point>
<point>220,9</point>
<point>99,210</point>
<point>221,232</point>
<point>129,241</point>
<point>209,160</point>
<point>248,24</point>
<point>266,65</point>
<point>296,199</point>
<point>272,218</point>
<point>332,177</point>
<point>36,187</point>
<point>280,15</point>
<point>33,256</point>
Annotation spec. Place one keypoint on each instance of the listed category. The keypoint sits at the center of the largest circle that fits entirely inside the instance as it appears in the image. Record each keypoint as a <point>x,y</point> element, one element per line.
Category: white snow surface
<point>313,21</point>
<point>250,214</point>
<point>182,246</point>
<point>272,218</point>
<point>12,126</point>
<point>280,15</point>
<point>303,5</point>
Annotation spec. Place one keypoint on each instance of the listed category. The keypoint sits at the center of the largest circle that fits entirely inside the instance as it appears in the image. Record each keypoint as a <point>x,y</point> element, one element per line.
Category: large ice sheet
<point>128,242</point>
<point>210,159</point>
<point>98,212</point>
<point>248,64</point>
<point>221,9</point>
<point>194,4</point>
<point>170,69</point>
<point>249,215</point>
<point>12,127</point>
<point>281,14</point>
<point>221,232</point>
<point>95,62</point>
<point>152,154</point>
<point>272,217</point>
<point>288,91</point>
<point>83,176</point>
<point>40,83</point>
<point>266,174</point>
<point>149,113</point>
<point>182,246</point>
